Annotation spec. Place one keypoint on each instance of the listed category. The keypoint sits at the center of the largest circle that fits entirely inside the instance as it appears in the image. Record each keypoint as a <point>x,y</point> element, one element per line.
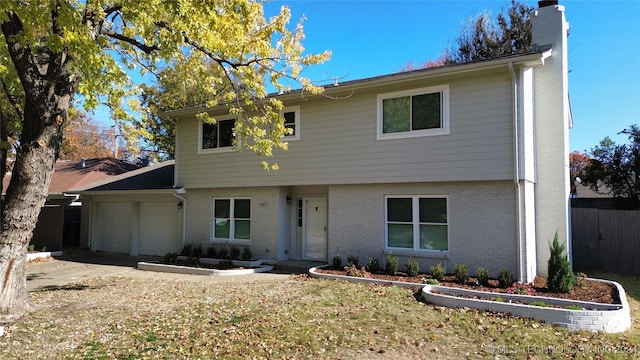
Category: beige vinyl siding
<point>338,143</point>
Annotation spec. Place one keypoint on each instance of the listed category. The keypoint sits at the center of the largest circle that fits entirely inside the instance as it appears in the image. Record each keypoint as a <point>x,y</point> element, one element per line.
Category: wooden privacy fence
<point>608,240</point>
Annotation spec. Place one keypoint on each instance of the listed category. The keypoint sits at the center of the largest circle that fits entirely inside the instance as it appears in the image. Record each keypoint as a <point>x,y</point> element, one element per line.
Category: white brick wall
<point>266,217</point>
<point>611,318</point>
<point>481,223</point>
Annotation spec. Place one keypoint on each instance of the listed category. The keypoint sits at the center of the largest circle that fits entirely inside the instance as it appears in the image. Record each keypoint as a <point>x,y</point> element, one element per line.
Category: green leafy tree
<point>175,88</point>
<point>484,38</point>
<point>615,167</point>
<point>61,54</point>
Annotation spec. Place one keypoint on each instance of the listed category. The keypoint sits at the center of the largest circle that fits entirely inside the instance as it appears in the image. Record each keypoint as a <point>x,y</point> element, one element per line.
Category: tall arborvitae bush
<point>561,278</point>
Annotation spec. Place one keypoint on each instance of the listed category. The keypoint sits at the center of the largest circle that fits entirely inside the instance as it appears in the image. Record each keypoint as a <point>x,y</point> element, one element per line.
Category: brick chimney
<point>553,121</point>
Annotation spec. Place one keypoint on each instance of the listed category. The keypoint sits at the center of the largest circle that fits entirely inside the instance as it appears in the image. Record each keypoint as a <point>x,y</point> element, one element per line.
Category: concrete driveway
<point>78,265</point>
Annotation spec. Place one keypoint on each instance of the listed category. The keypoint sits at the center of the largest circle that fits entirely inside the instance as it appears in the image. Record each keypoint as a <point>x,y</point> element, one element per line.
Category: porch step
<point>296,266</point>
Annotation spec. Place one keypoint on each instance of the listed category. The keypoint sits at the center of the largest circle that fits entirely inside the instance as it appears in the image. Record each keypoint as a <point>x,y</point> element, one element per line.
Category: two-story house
<point>463,163</point>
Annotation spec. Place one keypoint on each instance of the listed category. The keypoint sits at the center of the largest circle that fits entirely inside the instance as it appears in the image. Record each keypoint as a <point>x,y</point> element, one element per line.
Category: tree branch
<point>25,63</point>
<point>143,47</point>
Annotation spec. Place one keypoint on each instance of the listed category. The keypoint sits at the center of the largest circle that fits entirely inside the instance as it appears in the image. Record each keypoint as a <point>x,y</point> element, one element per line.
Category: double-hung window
<point>232,219</point>
<point>416,223</point>
<point>291,117</point>
<point>218,135</point>
<point>412,113</point>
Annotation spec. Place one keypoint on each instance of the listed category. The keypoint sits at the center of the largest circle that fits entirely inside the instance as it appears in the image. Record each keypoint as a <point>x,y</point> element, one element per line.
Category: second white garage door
<point>159,228</point>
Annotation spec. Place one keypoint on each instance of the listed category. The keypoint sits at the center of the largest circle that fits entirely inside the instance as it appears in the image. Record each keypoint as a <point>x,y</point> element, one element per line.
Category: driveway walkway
<point>78,265</point>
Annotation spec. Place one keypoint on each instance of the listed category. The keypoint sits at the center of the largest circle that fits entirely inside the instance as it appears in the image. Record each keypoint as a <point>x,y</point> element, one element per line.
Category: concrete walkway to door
<point>77,265</point>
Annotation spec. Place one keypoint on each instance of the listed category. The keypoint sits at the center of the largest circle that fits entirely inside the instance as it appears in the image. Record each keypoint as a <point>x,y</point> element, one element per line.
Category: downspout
<point>516,174</point>
<point>179,189</point>
<point>184,213</point>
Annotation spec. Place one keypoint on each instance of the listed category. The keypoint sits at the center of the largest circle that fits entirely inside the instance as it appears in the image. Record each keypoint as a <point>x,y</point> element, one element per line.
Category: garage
<point>136,213</point>
<point>159,230</point>
<point>114,225</point>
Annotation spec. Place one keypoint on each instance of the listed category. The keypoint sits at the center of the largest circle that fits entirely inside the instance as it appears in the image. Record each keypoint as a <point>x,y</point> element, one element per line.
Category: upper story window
<point>412,113</point>
<point>217,136</point>
<point>291,117</point>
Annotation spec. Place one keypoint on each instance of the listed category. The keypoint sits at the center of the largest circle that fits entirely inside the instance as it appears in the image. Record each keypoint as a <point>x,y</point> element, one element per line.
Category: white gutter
<point>74,197</point>
<point>184,213</point>
<point>516,175</point>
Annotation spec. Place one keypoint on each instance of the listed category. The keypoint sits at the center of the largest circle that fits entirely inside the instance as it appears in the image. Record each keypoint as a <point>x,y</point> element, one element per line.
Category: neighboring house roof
<point>586,192</point>
<point>72,175</point>
<point>154,177</point>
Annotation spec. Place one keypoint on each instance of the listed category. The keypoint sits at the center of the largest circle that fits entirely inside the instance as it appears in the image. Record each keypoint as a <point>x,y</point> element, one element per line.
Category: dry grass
<point>125,318</point>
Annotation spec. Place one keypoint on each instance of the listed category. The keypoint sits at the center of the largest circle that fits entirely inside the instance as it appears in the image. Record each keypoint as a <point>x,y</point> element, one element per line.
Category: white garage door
<point>114,230</point>
<point>159,228</point>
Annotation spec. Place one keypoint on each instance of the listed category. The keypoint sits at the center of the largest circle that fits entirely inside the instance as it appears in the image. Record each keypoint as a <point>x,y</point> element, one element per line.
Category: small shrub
<point>581,279</point>
<point>498,299</point>
<point>196,251</point>
<point>483,276</point>
<point>352,270</point>
<point>170,258</point>
<point>352,260</point>
<point>187,250</point>
<point>391,267</point>
<point>246,254</point>
<point>234,253</point>
<point>412,266</point>
<point>505,279</point>
<point>429,281</point>
<point>521,289</point>
<point>373,265</point>
<point>461,274</point>
<point>223,253</point>
<point>437,271</point>
<point>211,252</point>
<point>32,247</point>
<point>539,303</point>
<point>561,277</point>
<point>44,249</point>
<point>337,262</point>
<point>574,307</point>
<point>225,264</point>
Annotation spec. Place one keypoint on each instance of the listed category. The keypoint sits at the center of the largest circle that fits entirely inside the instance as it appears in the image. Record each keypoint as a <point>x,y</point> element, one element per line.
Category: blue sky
<point>370,38</point>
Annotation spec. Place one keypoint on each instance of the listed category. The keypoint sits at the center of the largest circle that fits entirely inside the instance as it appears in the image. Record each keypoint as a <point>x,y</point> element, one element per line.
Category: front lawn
<point>297,318</point>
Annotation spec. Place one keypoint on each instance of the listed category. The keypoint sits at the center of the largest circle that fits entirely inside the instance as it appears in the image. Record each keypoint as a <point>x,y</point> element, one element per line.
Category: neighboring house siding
<point>481,223</point>
<point>338,143</point>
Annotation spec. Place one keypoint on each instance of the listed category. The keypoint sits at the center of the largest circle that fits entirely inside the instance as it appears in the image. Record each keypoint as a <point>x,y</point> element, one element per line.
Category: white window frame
<point>218,149</point>
<point>230,240</point>
<point>444,113</point>
<point>296,111</point>
<point>415,203</point>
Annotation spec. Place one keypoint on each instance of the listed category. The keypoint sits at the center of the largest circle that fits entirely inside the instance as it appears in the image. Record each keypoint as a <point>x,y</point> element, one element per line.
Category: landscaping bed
<point>590,291</point>
<point>594,304</point>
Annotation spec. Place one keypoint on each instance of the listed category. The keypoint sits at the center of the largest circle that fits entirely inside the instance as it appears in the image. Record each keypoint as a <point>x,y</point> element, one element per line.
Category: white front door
<point>314,244</point>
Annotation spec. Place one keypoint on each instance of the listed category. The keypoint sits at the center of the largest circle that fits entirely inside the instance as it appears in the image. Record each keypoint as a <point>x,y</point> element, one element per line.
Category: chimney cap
<point>545,3</point>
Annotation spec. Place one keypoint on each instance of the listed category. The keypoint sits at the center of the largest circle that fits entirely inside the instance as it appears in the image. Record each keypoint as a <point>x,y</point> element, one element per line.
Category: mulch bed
<point>592,291</point>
